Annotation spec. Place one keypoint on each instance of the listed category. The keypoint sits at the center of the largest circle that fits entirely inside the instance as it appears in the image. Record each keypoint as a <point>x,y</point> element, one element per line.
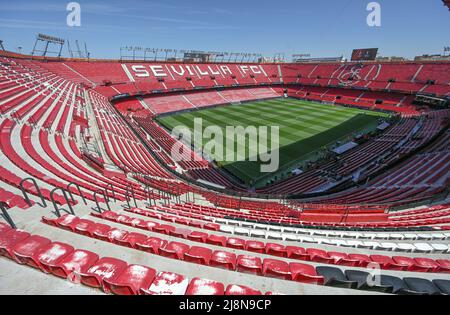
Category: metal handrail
<point>148,192</point>
<point>25,193</point>
<point>58,209</point>
<point>99,209</point>
<point>6,216</point>
<point>129,189</point>
<point>178,195</point>
<point>79,192</point>
<point>112,190</point>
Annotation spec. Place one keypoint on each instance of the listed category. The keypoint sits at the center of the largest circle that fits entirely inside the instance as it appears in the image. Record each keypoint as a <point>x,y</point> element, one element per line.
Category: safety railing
<point>113,193</point>
<point>149,193</point>
<point>80,193</point>
<point>25,193</point>
<point>5,215</point>
<point>98,208</point>
<point>129,192</point>
<point>68,202</point>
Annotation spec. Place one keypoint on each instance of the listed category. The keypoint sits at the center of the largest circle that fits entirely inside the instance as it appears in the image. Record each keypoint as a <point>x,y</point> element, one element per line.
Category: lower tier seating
<point>112,276</point>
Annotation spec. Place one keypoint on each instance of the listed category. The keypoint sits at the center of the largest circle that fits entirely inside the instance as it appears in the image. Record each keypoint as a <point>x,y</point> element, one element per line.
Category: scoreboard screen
<point>364,54</point>
<point>198,57</point>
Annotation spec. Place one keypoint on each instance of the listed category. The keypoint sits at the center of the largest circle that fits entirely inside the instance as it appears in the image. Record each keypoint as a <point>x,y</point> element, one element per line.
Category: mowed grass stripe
<point>309,126</point>
<point>289,131</point>
<point>284,109</point>
<point>245,119</point>
<point>278,119</point>
<point>301,126</point>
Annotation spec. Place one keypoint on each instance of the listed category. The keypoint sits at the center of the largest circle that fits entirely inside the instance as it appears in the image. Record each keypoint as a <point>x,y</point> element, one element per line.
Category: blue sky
<point>322,28</point>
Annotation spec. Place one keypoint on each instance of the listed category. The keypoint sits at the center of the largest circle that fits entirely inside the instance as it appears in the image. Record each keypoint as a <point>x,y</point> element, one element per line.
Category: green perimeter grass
<point>305,129</point>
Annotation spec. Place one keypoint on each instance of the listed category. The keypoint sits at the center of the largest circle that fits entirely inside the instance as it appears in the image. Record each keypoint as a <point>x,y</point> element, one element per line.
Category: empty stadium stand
<point>90,194</point>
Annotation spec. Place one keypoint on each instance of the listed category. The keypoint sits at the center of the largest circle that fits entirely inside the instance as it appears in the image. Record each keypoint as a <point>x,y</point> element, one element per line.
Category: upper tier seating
<point>112,276</point>
<point>389,101</point>
<point>404,77</point>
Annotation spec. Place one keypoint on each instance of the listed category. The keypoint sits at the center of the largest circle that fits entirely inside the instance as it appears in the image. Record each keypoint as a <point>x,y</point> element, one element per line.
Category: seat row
<point>276,249</point>
<point>115,276</point>
<point>227,217</point>
<point>111,275</point>
<point>193,254</point>
<point>229,225</point>
<point>12,200</point>
<point>260,231</point>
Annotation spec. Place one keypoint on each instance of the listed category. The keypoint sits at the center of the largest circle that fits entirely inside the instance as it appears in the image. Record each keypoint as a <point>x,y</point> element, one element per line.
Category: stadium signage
<point>350,75</point>
<point>192,70</point>
<point>365,54</point>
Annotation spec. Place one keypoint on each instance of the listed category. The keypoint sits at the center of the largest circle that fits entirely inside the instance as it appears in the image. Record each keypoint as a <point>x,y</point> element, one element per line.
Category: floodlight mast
<point>47,40</point>
<point>447,3</point>
<point>78,49</point>
<point>446,51</point>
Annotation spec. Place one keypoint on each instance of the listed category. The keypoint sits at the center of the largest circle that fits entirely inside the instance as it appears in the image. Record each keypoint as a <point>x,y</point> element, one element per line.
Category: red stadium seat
<point>101,231</point>
<point>295,252</point>
<point>363,260</point>
<point>237,243</point>
<point>212,227</point>
<point>198,255</point>
<point>167,283</point>
<point>255,246</point>
<point>85,227</point>
<point>249,264</point>
<point>216,240</point>
<point>320,256</point>
<point>180,232</point>
<point>197,236</point>
<point>444,265</point>
<point>78,261</point>
<point>66,222</point>
<point>116,236</point>
<point>52,255</point>
<point>386,262</point>
<point>305,273</point>
<point>104,269</point>
<point>131,281</point>
<point>427,263</point>
<point>9,239</point>
<point>151,245</point>
<point>276,250</point>
<point>27,251</point>
<point>343,259</point>
<point>277,269</point>
<point>174,250</point>
<point>410,264</point>
<point>4,228</point>
<point>233,289</point>
<point>131,239</point>
<point>199,286</point>
<point>222,259</point>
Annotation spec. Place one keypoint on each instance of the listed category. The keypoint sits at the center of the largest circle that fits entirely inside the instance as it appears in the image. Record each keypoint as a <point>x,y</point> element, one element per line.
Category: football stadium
<point>194,170</point>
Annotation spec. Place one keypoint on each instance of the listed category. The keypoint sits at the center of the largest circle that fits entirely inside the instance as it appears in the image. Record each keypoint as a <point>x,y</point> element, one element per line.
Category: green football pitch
<point>305,130</point>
